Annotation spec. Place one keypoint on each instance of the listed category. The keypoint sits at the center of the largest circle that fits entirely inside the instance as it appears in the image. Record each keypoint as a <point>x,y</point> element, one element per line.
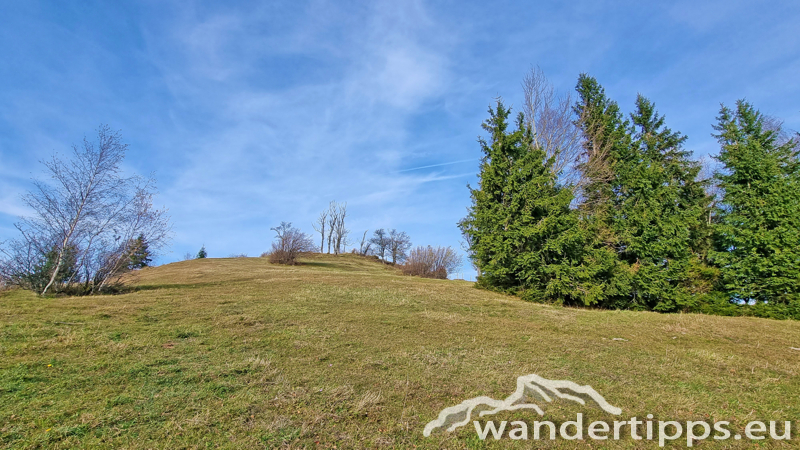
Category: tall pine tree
<point>658,206</point>
<point>641,202</point>
<point>758,234</point>
<point>519,213</point>
<point>602,279</point>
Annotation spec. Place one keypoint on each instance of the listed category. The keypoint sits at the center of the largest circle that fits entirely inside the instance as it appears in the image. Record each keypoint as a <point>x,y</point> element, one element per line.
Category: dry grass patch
<point>343,351</point>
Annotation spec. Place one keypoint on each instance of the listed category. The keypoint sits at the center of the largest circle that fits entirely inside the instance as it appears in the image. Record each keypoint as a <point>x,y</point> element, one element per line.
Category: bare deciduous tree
<point>366,244</point>
<point>782,134</point>
<point>340,232</point>
<point>399,243</point>
<point>708,167</point>
<point>289,243</point>
<point>319,227</point>
<point>380,239</point>
<point>84,221</point>
<point>333,219</point>
<point>430,262</point>
<point>552,120</point>
<point>337,232</point>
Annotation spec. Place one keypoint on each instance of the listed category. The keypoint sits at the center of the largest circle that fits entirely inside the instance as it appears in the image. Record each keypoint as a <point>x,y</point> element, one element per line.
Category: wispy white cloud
<point>290,148</point>
<point>255,113</point>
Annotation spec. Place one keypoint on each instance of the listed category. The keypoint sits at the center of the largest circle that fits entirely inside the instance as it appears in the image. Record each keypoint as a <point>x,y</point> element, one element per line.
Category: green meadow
<point>345,352</point>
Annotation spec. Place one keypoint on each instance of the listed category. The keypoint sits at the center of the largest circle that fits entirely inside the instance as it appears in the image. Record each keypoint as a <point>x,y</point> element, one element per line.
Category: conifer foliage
<point>518,210</point>
<point>139,253</point>
<point>758,232</point>
<point>658,203</point>
<point>637,230</point>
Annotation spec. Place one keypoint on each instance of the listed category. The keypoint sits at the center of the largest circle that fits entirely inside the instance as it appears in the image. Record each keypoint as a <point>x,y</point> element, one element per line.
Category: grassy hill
<point>343,352</point>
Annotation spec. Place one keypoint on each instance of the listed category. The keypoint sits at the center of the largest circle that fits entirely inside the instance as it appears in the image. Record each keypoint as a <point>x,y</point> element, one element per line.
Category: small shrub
<point>289,243</point>
<point>277,256</point>
<point>430,262</point>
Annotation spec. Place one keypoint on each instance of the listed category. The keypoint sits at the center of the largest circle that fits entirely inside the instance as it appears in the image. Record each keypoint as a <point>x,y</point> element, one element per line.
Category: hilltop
<point>344,352</point>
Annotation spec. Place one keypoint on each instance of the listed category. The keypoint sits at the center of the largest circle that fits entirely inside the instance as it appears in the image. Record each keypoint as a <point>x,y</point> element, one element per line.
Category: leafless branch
<point>552,121</point>
<point>430,262</point>
<point>399,243</point>
<point>84,220</point>
<point>319,227</point>
<point>289,243</point>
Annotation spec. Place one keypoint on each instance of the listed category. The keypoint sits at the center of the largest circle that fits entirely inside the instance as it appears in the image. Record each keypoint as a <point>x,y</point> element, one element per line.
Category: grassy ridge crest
<point>344,351</point>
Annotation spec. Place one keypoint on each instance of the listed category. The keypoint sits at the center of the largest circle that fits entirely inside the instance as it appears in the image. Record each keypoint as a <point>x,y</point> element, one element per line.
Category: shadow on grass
<point>335,266</point>
<point>109,290</point>
<point>154,287</point>
<point>319,264</point>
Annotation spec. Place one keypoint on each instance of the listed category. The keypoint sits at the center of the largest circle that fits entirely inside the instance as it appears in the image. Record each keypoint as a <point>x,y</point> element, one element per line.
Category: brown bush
<point>430,262</point>
<point>281,257</point>
<point>289,243</point>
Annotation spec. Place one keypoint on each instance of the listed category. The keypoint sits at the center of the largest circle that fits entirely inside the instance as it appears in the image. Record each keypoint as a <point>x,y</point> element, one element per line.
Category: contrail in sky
<point>437,165</point>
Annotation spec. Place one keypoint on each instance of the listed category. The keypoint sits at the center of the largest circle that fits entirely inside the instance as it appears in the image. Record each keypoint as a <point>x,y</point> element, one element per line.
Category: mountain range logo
<point>529,388</point>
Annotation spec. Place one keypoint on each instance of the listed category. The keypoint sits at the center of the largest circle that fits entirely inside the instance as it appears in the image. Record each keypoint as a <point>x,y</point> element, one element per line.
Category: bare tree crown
<point>552,120</point>
<point>432,262</point>
<point>86,218</point>
<point>289,243</point>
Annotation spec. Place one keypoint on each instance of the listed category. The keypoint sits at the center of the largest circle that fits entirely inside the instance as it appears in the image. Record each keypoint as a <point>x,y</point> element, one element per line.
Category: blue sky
<point>250,114</point>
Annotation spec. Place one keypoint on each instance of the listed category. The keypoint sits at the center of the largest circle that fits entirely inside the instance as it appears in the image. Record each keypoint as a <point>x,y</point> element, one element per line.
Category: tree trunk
<point>58,264</point>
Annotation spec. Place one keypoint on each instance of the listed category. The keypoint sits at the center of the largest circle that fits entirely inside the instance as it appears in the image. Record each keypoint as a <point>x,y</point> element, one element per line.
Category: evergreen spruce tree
<point>139,253</point>
<point>605,138</point>
<point>519,212</point>
<point>758,234</point>
<point>202,253</point>
<point>658,206</point>
<point>641,205</point>
<point>39,275</point>
<point>602,279</point>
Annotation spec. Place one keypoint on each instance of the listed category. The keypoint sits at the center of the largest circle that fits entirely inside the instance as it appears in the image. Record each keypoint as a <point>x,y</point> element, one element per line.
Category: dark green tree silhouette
<point>519,213</point>
<point>39,275</point>
<point>138,253</point>
<point>659,209</point>
<point>758,234</point>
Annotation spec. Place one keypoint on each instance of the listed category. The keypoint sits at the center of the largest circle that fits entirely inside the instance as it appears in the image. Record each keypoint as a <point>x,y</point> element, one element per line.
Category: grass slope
<point>342,352</point>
